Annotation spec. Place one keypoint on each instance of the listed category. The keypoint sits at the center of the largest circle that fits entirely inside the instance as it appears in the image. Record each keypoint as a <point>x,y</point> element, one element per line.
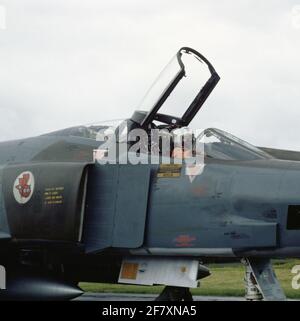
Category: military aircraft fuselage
<point>66,216</point>
<point>232,208</point>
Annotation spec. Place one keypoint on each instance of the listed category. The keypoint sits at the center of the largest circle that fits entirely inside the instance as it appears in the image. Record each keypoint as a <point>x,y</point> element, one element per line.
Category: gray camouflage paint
<point>235,207</point>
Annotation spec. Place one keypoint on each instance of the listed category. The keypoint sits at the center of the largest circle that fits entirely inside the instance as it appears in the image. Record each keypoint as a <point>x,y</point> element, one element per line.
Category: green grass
<point>225,280</point>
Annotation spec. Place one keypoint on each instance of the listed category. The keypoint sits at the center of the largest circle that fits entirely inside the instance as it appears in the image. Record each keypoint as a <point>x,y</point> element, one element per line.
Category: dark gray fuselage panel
<point>116,206</point>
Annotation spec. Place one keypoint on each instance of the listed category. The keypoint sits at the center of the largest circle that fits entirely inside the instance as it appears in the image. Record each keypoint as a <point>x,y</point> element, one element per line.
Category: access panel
<point>116,206</point>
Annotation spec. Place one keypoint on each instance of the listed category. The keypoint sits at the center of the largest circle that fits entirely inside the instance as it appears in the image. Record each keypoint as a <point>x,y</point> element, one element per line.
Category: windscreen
<point>90,131</point>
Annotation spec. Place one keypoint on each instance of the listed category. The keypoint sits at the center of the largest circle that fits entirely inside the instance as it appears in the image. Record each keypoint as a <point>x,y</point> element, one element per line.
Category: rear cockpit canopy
<point>219,144</point>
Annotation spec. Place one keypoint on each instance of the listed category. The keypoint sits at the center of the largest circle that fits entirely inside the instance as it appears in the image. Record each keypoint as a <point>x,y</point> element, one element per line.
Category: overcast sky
<point>70,62</point>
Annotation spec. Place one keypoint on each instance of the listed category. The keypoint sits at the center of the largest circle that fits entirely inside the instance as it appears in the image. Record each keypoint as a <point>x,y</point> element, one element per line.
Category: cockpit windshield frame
<point>246,150</point>
<point>197,102</point>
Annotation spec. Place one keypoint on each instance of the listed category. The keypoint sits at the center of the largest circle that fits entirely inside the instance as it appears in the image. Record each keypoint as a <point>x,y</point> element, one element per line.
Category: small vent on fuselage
<point>293,219</point>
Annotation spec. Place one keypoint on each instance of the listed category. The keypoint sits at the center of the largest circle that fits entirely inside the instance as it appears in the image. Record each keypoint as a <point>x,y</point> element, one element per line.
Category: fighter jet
<point>74,208</point>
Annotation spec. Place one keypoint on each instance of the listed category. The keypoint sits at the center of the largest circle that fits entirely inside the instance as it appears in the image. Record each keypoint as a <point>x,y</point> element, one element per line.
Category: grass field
<point>225,280</point>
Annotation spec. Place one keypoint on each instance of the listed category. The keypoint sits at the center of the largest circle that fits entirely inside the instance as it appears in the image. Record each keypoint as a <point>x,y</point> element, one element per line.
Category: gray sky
<point>70,62</point>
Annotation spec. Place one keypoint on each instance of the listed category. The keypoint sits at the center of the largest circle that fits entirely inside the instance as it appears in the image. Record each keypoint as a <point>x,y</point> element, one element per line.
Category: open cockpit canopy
<point>171,103</point>
<point>179,92</point>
